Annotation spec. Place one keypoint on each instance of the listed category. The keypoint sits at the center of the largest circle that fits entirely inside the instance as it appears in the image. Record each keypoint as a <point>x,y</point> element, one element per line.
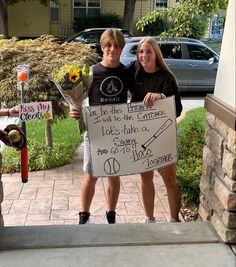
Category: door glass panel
<point>133,50</point>
<point>90,37</point>
<point>199,52</point>
<point>171,51</point>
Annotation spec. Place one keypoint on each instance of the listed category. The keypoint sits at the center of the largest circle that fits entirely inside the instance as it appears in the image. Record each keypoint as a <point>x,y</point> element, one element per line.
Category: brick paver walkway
<point>53,197</point>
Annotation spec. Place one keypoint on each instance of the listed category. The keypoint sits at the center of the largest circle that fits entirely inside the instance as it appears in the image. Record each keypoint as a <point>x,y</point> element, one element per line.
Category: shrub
<point>41,157</point>
<point>103,21</point>
<point>42,55</point>
<point>189,166</point>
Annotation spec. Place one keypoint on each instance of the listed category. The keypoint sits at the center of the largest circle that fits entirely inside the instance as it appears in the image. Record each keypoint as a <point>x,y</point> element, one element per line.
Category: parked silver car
<point>193,63</point>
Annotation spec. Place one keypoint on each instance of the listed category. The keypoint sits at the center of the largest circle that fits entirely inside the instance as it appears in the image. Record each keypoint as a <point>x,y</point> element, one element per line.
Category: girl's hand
<point>150,98</point>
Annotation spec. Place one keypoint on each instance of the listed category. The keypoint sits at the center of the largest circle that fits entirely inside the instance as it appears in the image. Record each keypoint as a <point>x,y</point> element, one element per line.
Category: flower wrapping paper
<point>72,82</point>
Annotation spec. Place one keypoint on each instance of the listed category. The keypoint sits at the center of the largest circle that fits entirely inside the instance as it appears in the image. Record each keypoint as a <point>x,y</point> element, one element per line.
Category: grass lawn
<point>66,138</point>
<point>63,131</point>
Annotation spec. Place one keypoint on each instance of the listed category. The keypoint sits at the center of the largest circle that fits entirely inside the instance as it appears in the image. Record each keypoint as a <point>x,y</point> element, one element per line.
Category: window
<point>86,8</point>
<point>133,50</point>
<point>54,12</point>
<point>199,52</point>
<point>91,37</point>
<point>171,51</point>
<point>161,3</point>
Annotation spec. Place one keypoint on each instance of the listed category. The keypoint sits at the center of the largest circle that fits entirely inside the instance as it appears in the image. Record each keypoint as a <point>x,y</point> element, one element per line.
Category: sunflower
<point>74,75</point>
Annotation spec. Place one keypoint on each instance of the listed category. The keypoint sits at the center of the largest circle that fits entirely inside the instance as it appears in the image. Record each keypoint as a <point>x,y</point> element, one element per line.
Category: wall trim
<point>221,110</point>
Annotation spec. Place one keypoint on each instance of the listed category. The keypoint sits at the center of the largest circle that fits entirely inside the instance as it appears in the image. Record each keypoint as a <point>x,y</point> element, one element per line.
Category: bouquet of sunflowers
<point>72,81</point>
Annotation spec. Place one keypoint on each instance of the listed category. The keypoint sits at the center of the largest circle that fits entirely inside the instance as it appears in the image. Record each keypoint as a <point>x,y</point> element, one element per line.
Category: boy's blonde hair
<point>112,33</point>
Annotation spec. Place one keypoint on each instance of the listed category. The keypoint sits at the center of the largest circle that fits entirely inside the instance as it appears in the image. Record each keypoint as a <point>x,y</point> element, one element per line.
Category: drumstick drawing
<point>164,126</point>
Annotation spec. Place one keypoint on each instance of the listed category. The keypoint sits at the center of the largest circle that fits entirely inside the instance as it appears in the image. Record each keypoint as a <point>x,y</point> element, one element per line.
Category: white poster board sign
<point>131,138</point>
<point>35,111</point>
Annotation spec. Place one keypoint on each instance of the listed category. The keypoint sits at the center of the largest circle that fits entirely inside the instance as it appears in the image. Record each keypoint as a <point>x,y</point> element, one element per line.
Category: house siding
<point>64,27</point>
<point>31,19</point>
<point>142,8</point>
<point>28,19</point>
<point>172,3</point>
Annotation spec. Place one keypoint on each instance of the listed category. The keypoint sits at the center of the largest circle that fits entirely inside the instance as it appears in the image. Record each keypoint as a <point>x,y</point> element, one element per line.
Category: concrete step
<point>129,245</point>
<point>94,235</point>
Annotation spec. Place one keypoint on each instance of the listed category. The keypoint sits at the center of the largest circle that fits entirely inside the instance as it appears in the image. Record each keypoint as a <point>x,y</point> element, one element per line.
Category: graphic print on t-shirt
<point>111,86</point>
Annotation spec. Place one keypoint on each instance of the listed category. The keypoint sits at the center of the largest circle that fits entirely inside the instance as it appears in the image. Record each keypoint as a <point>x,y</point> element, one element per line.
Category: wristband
<point>162,96</point>
<point>8,113</point>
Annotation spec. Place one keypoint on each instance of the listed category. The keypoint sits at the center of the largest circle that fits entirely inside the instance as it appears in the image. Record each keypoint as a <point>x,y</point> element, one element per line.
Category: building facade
<point>31,19</point>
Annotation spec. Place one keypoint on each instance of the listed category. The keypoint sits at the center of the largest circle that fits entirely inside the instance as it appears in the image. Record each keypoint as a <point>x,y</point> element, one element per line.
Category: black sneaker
<point>111,217</point>
<point>84,217</point>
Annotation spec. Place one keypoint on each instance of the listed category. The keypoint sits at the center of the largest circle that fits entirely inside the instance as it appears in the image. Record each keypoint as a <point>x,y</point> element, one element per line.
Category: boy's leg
<point>87,191</point>
<point>113,191</point>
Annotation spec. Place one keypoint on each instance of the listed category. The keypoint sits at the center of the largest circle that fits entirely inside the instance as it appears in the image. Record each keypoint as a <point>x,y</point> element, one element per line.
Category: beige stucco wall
<point>28,19</point>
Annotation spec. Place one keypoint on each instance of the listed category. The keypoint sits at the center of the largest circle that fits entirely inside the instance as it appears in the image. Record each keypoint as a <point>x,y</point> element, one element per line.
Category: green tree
<point>198,26</point>
<point>182,14</point>
<point>157,27</point>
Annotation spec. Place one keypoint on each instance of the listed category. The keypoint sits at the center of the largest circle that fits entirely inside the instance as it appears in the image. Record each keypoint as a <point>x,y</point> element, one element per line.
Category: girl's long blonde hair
<point>159,57</point>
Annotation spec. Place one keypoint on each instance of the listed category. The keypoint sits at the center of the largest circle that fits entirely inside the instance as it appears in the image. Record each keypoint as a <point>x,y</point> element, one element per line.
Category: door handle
<point>193,65</point>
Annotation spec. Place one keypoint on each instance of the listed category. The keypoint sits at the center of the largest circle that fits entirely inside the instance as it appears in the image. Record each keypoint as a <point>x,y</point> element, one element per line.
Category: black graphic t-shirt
<point>109,85</point>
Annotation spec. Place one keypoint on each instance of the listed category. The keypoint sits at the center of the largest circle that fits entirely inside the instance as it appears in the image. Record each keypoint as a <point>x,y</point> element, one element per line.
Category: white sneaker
<point>148,220</point>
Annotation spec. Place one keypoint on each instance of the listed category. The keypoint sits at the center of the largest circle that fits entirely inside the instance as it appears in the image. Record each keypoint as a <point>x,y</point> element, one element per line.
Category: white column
<point>225,79</point>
